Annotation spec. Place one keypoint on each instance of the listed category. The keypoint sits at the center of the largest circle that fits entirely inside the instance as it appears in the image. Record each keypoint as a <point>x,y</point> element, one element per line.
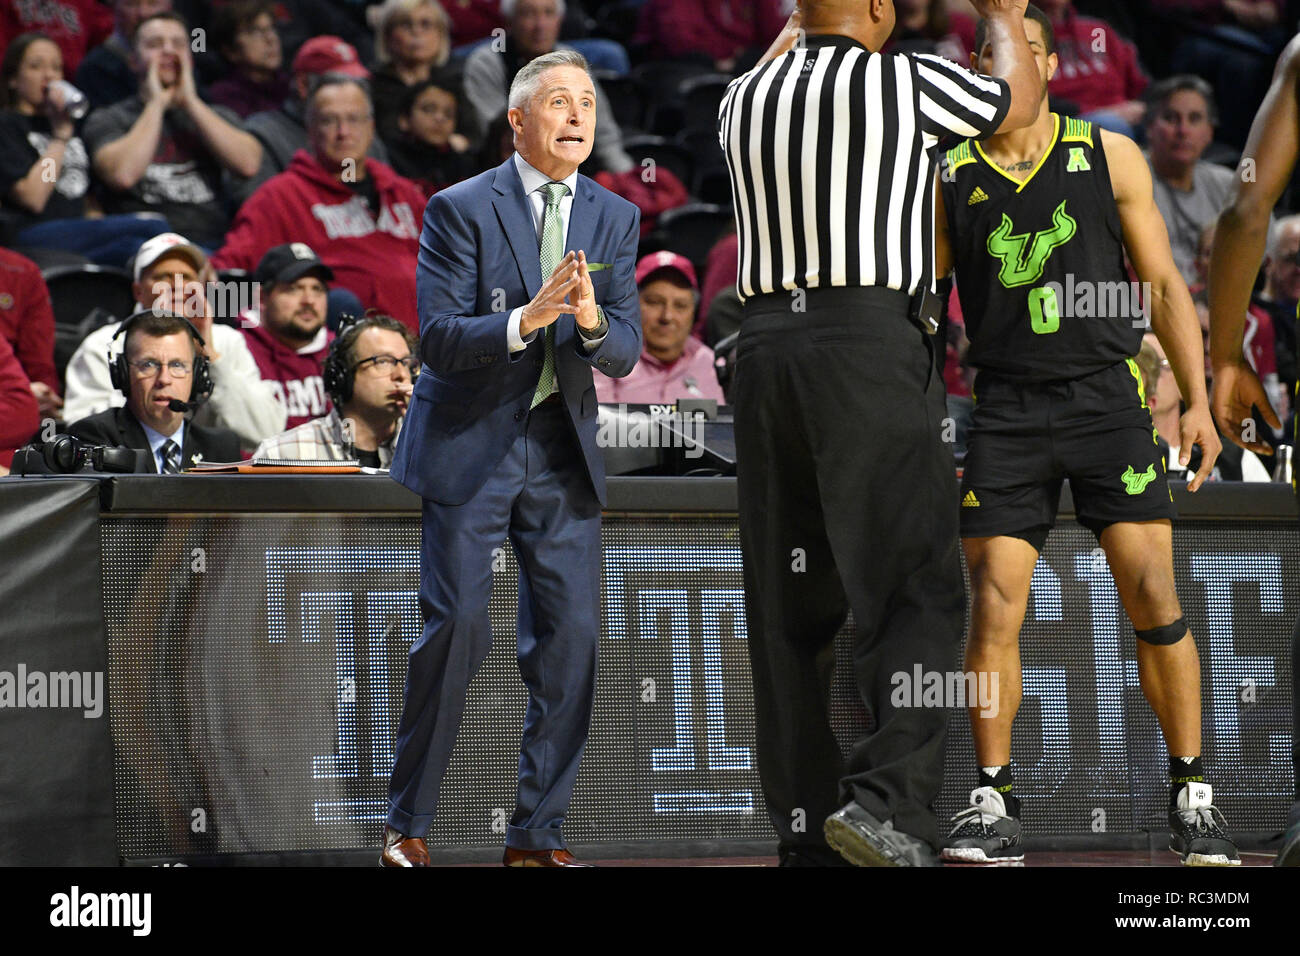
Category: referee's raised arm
<point>1013,61</point>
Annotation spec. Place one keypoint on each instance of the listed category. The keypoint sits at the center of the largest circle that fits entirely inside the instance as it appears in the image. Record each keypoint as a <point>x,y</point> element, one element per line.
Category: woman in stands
<point>44,168</point>
<point>412,45</point>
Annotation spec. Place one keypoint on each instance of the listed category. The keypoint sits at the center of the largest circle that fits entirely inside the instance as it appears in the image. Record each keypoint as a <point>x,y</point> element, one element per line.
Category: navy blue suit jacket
<point>479,260</point>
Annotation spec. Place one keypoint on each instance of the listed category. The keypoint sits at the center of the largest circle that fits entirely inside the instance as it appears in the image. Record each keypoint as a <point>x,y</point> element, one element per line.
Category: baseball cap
<point>666,260</point>
<point>289,263</point>
<point>167,243</point>
<point>329,54</point>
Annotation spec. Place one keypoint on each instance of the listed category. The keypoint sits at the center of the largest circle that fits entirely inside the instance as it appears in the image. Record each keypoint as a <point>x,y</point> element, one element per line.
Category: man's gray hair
<point>508,8</point>
<point>1160,92</point>
<point>1278,235</point>
<point>319,83</point>
<point>528,80</point>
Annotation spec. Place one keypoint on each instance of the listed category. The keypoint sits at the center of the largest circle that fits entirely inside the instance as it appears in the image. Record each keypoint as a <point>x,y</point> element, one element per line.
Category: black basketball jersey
<point>1040,264</point>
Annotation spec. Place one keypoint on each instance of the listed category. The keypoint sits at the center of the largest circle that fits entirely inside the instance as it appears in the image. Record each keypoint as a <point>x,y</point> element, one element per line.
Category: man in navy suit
<point>500,439</point>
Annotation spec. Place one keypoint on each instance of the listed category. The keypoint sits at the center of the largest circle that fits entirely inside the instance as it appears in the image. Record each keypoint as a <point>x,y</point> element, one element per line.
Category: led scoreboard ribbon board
<point>256,669</point>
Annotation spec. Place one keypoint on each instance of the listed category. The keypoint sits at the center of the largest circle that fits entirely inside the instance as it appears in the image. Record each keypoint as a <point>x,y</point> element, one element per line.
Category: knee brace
<point>1169,634</point>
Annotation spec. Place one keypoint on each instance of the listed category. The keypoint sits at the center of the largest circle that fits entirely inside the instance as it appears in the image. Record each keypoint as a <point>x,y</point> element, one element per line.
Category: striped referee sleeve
<point>955,100</point>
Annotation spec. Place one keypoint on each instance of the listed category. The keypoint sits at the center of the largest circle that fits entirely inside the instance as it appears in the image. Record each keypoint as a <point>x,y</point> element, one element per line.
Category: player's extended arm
<point>1239,242</point>
<point>1013,60</point>
<point>1173,316</point>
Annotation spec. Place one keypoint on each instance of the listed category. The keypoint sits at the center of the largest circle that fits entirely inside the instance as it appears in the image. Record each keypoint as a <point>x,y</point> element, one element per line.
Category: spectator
<point>1189,191</point>
<point>1235,55</point>
<point>171,271</point>
<point>673,364</point>
<point>296,22</point>
<point>19,416</point>
<point>282,131</point>
<point>412,44</point>
<point>370,370</point>
<point>161,363</point>
<point>361,217</point>
<point>473,20</point>
<point>721,30</point>
<point>163,149</point>
<point>1279,297</point>
<point>927,26</point>
<point>428,149</point>
<point>287,335</point>
<point>27,324</point>
<point>1099,73</point>
<point>1165,402</point>
<point>44,169</point>
<point>245,35</point>
<point>534,28</point>
<point>105,75</point>
<point>601,53</point>
<point>74,25</point>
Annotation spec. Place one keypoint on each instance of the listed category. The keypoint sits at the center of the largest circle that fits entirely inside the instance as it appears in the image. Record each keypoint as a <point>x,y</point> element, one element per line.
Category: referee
<point>848,498</point>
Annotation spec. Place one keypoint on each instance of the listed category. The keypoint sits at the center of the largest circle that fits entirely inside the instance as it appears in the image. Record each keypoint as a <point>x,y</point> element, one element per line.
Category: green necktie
<point>552,253</point>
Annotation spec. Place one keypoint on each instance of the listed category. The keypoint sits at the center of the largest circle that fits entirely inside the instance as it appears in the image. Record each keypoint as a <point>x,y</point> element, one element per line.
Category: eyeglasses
<point>385,364</point>
<point>148,368</point>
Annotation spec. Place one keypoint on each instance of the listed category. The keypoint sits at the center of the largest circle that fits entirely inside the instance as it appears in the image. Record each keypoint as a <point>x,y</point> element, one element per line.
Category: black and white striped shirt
<point>831,151</point>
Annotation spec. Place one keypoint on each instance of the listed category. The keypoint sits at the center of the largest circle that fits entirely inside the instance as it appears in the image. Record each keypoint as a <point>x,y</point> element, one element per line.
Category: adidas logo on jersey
<point>970,501</point>
<point>979,195</point>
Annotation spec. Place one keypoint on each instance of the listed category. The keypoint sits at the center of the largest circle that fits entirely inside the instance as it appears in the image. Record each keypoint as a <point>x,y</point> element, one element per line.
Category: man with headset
<point>163,374</point>
<point>369,375</point>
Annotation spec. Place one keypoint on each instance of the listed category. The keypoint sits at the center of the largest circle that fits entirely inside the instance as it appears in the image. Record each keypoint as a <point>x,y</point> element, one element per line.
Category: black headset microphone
<point>119,371</point>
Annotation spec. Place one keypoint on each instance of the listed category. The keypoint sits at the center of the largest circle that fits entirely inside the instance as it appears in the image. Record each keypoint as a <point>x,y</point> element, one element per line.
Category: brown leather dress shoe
<point>401,850</point>
<point>516,857</point>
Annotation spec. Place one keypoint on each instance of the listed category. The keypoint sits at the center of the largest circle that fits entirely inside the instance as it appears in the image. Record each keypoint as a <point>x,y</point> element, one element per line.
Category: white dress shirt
<point>158,439</point>
<point>533,181</point>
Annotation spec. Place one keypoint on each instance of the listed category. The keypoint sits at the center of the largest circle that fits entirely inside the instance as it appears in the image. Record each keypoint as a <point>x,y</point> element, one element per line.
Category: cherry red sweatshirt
<point>372,255</point>
<point>19,415</point>
<point>300,387</point>
<point>27,318</point>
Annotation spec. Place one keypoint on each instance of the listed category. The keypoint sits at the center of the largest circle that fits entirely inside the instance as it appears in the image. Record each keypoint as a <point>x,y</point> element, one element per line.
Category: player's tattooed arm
<point>1239,241</point>
<point>1173,316</point>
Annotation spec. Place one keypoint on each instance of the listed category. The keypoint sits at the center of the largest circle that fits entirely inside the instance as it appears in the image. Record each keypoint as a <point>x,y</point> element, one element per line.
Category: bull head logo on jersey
<point>1023,261</point>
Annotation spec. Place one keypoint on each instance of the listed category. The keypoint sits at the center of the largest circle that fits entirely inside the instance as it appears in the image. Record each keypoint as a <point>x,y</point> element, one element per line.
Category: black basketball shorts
<point>1026,438</point>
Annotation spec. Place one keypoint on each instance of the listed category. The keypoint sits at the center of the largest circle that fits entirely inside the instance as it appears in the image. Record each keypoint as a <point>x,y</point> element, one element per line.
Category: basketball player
<point>1239,241</point>
<point>1032,219</point>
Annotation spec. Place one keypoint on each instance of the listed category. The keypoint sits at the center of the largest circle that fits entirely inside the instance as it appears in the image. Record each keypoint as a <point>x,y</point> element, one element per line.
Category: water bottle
<point>1282,469</point>
<point>75,103</point>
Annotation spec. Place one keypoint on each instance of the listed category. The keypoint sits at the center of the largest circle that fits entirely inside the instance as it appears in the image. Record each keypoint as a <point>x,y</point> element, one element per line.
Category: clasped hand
<point>569,280</point>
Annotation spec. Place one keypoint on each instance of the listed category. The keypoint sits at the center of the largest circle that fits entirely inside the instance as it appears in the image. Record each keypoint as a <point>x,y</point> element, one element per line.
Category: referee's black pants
<point>848,499</point>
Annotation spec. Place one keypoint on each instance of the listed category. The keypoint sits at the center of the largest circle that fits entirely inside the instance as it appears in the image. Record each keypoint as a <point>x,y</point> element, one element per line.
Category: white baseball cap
<point>167,243</point>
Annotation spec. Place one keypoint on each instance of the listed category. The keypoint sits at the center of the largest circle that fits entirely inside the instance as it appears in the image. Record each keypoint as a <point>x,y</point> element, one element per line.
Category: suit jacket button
<point>519,415</point>
<point>602,362</point>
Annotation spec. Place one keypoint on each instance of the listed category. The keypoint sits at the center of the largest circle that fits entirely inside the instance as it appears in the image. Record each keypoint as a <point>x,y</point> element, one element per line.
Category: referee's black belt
<point>833,306</point>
